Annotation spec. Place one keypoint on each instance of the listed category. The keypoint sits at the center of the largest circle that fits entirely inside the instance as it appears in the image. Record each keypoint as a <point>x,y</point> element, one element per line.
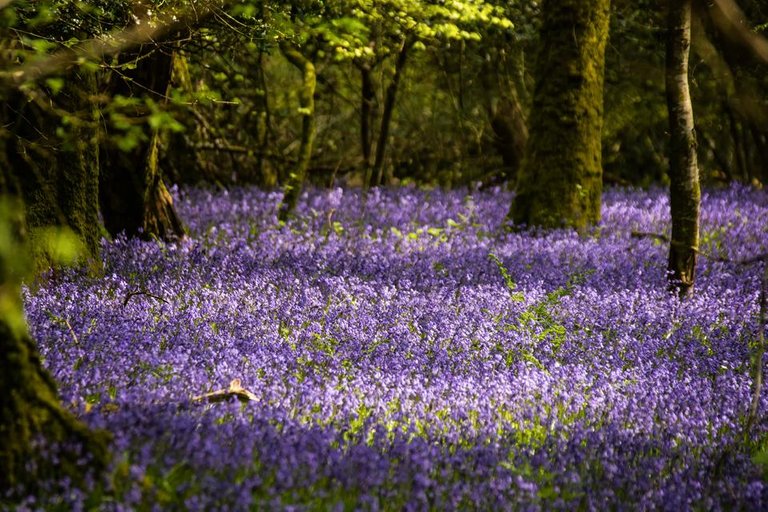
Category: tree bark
<point>134,198</point>
<point>377,171</point>
<point>367,100</point>
<point>55,176</point>
<point>510,134</point>
<point>267,177</point>
<point>298,176</point>
<point>560,182</point>
<point>685,192</point>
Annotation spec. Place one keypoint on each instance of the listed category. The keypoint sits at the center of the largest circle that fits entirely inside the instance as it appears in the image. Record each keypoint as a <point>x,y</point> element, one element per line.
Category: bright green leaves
<point>355,29</point>
<point>55,84</point>
<point>162,120</point>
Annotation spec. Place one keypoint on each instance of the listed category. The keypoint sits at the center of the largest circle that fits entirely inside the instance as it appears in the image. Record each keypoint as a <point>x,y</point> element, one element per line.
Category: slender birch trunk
<point>685,191</point>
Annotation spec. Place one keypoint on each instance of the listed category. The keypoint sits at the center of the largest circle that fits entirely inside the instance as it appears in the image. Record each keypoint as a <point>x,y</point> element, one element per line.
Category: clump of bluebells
<point>407,353</point>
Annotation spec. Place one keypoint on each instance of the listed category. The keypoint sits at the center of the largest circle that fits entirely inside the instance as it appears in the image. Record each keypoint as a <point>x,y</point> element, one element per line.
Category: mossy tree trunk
<point>560,182</point>
<point>685,192</point>
<point>297,177</point>
<point>57,178</point>
<point>134,198</point>
<point>30,410</point>
<point>261,125</point>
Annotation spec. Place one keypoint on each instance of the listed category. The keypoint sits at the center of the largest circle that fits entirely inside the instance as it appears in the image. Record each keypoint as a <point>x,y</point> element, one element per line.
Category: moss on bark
<point>561,179</point>
<point>56,175</point>
<point>39,439</point>
<point>298,176</point>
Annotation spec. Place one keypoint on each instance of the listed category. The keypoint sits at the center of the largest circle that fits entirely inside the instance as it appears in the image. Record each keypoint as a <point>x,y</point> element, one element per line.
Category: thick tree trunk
<point>298,176</point>
<point>377,171</point>
<point>134,198</point>
<point>685,192</point>
<point>57,178</point>
<point>561,180</point>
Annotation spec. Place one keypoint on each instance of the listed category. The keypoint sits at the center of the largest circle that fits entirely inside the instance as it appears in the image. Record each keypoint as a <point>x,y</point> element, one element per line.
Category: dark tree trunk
<point>510,134</point>
<point>506,115</point>
<point>267,176</point>
<point>134,198</point>
<point>685,192</point>
<point>298,176</point>
<point>367,101</point>
<point>561,180</point>
<point>377,171</point>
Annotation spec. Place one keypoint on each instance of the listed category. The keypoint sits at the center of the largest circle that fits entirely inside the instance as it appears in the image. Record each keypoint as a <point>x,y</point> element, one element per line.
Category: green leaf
<point>508,281</point>
<point>55,85</point>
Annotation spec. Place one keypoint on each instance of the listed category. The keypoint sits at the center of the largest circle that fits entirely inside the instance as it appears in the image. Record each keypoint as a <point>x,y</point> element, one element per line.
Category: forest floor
<point>403,351</point>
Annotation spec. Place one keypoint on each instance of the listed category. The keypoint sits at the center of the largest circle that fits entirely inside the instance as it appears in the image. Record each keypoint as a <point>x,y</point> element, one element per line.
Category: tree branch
<point>730,20</point>
<point>145,30</point>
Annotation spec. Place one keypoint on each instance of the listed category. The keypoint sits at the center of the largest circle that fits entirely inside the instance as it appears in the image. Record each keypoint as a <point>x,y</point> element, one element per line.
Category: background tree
<point>561,180</point>
<point>134,198</point>
<point>296,179</point>
<point>367,33</point>
<point>685,192</point>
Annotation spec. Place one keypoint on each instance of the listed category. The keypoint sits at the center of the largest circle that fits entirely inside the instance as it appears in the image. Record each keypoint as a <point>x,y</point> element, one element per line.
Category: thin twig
<point>134,293</point>
<point>71,331</point>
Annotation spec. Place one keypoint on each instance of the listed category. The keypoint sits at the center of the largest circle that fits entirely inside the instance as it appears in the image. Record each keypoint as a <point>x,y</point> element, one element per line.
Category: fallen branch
<point>235,390</point>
